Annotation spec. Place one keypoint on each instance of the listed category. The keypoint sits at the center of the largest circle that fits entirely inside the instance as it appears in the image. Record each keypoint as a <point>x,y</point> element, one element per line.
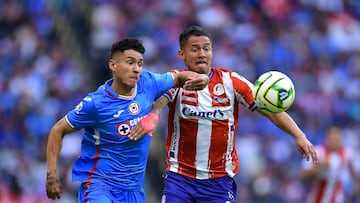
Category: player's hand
<point>53,186</point>
<point>198,82</point>
<point>306,149</point>
<point>146,125</point>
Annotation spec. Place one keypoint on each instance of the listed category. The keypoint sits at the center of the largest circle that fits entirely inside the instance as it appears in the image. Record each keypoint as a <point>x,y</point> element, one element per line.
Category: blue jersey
<point>106,117</point>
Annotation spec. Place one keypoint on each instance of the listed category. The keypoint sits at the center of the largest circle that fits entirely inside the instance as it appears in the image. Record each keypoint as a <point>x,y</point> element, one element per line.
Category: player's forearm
<point>57,132</point>
<point>287,124</point>
<point>159,105</point>
<point>53,150</point>
<point>181,77</point>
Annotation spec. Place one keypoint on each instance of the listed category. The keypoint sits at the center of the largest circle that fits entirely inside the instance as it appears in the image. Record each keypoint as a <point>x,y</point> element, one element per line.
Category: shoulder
<point>221,70</point>
<point>97,98</point>
<point>146,74</point>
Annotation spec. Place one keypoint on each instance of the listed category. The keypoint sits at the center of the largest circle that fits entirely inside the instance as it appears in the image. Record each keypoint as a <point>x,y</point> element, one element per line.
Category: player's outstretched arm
<point>148,124</point>
<point>284,121</point>
<point>57,132</point>
<point>190,80</point>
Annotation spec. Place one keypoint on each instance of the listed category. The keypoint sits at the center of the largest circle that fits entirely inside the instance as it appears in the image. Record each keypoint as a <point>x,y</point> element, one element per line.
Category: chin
<point>131,84</point>
<point>201,68</point>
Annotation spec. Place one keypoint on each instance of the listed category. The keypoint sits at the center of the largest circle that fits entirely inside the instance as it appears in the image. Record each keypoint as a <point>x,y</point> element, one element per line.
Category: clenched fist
<point>53,186</point>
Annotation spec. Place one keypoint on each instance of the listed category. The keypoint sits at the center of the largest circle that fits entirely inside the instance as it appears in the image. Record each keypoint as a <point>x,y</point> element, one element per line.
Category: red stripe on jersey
<point>320,192</point>
<point>187,143</point>
<point>218,148</point>
<point>243,89</point>
<point>190,98</point>
<point>88,180</point>
<point>337,191</point>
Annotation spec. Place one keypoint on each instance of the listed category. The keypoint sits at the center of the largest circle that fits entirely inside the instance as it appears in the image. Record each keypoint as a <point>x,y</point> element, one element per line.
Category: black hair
<point>126,44</point>
<point>192,31</point>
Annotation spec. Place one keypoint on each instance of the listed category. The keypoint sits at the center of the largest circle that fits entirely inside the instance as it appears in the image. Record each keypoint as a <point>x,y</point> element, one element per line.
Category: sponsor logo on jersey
<point>231,196</point>
<point>217,113</point>
<point>134,108</point>
<point>87,99</point>
<point>117,114</point>
<point>221,100</point>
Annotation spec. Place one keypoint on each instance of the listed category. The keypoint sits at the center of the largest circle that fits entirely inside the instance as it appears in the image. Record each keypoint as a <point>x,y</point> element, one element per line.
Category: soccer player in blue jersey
<point>111,167</point>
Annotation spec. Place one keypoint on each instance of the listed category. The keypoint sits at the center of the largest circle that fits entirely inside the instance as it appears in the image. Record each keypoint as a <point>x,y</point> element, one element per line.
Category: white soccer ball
<point>274,92</point>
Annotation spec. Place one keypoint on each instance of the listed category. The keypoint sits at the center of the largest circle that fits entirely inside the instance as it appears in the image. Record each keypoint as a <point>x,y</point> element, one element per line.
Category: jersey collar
<point>114,94</point>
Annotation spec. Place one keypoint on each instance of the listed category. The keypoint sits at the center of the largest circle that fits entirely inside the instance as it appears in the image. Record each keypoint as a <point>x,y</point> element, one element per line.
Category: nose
<point>137,68</point>
<point>201,53</point>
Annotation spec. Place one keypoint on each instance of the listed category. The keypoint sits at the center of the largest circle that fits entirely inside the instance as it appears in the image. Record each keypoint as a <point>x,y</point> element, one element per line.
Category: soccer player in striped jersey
<point>327,177</point>
<point>111,167</point>
<point>201,159</point>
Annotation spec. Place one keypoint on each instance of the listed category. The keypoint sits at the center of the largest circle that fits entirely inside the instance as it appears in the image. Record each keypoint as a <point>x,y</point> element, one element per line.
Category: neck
<point>122,90</point>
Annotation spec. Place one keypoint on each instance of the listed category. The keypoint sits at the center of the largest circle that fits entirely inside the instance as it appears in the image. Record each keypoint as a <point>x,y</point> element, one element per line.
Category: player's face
<point>126,68</point>
<point>197,54</point>
<point>333,139</point>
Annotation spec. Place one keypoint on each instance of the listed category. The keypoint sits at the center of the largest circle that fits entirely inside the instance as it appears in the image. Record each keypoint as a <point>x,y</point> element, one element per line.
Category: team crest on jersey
<point>134,108</point>
<point>78,107</point>
<point>123,128</point>
<point>219,89</point>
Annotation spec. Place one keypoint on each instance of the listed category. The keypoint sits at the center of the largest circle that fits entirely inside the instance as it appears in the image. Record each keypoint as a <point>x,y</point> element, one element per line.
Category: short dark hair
<point>126,44</point>
<point>192,31</point>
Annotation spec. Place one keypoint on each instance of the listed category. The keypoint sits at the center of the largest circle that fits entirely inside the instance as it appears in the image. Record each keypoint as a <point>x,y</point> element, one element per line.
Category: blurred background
<point>53,52</point>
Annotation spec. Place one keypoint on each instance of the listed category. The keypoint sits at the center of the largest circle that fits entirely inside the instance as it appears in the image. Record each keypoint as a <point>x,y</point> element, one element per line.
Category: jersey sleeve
<point>171,93</point>
<point>83,114</point>
<point>243,89</point>
<point>163,83</point>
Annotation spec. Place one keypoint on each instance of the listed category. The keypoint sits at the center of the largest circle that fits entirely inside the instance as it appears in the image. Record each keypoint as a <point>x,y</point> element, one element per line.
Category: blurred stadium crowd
<point>54,52</point>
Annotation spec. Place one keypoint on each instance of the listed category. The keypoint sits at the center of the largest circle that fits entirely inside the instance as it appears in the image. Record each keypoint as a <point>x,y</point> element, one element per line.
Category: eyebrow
<point>197,44</point>
<point>133,58</point>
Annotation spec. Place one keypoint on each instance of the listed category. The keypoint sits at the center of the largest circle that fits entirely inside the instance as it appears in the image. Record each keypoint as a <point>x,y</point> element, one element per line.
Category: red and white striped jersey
<point>329,186</point>
<point>202,126</point>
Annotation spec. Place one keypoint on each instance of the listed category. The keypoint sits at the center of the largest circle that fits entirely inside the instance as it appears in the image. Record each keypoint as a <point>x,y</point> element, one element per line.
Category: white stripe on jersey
<point>174,145</point>
<point>202,149</point>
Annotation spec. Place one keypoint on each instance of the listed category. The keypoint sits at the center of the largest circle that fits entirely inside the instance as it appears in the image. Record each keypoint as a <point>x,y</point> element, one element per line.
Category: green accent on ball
<point>258,83</point>
<point>291,91</point>
<point>275,87</point>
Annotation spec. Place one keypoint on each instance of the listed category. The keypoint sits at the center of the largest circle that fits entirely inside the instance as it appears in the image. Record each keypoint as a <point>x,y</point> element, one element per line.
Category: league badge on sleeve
<point>78,107</point>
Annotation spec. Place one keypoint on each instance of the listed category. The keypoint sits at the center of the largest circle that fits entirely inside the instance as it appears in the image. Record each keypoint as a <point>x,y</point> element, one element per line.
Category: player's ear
<point>112,64</point>
<point>181,54</point>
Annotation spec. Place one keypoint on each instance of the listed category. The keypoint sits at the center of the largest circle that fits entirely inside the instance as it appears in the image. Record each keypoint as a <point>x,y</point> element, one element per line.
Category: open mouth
<point>201,62</point>
<point>134,77</point>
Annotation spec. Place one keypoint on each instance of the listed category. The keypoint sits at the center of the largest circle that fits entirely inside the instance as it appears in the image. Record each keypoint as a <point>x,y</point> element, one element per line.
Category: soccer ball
<point>274,92</point>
